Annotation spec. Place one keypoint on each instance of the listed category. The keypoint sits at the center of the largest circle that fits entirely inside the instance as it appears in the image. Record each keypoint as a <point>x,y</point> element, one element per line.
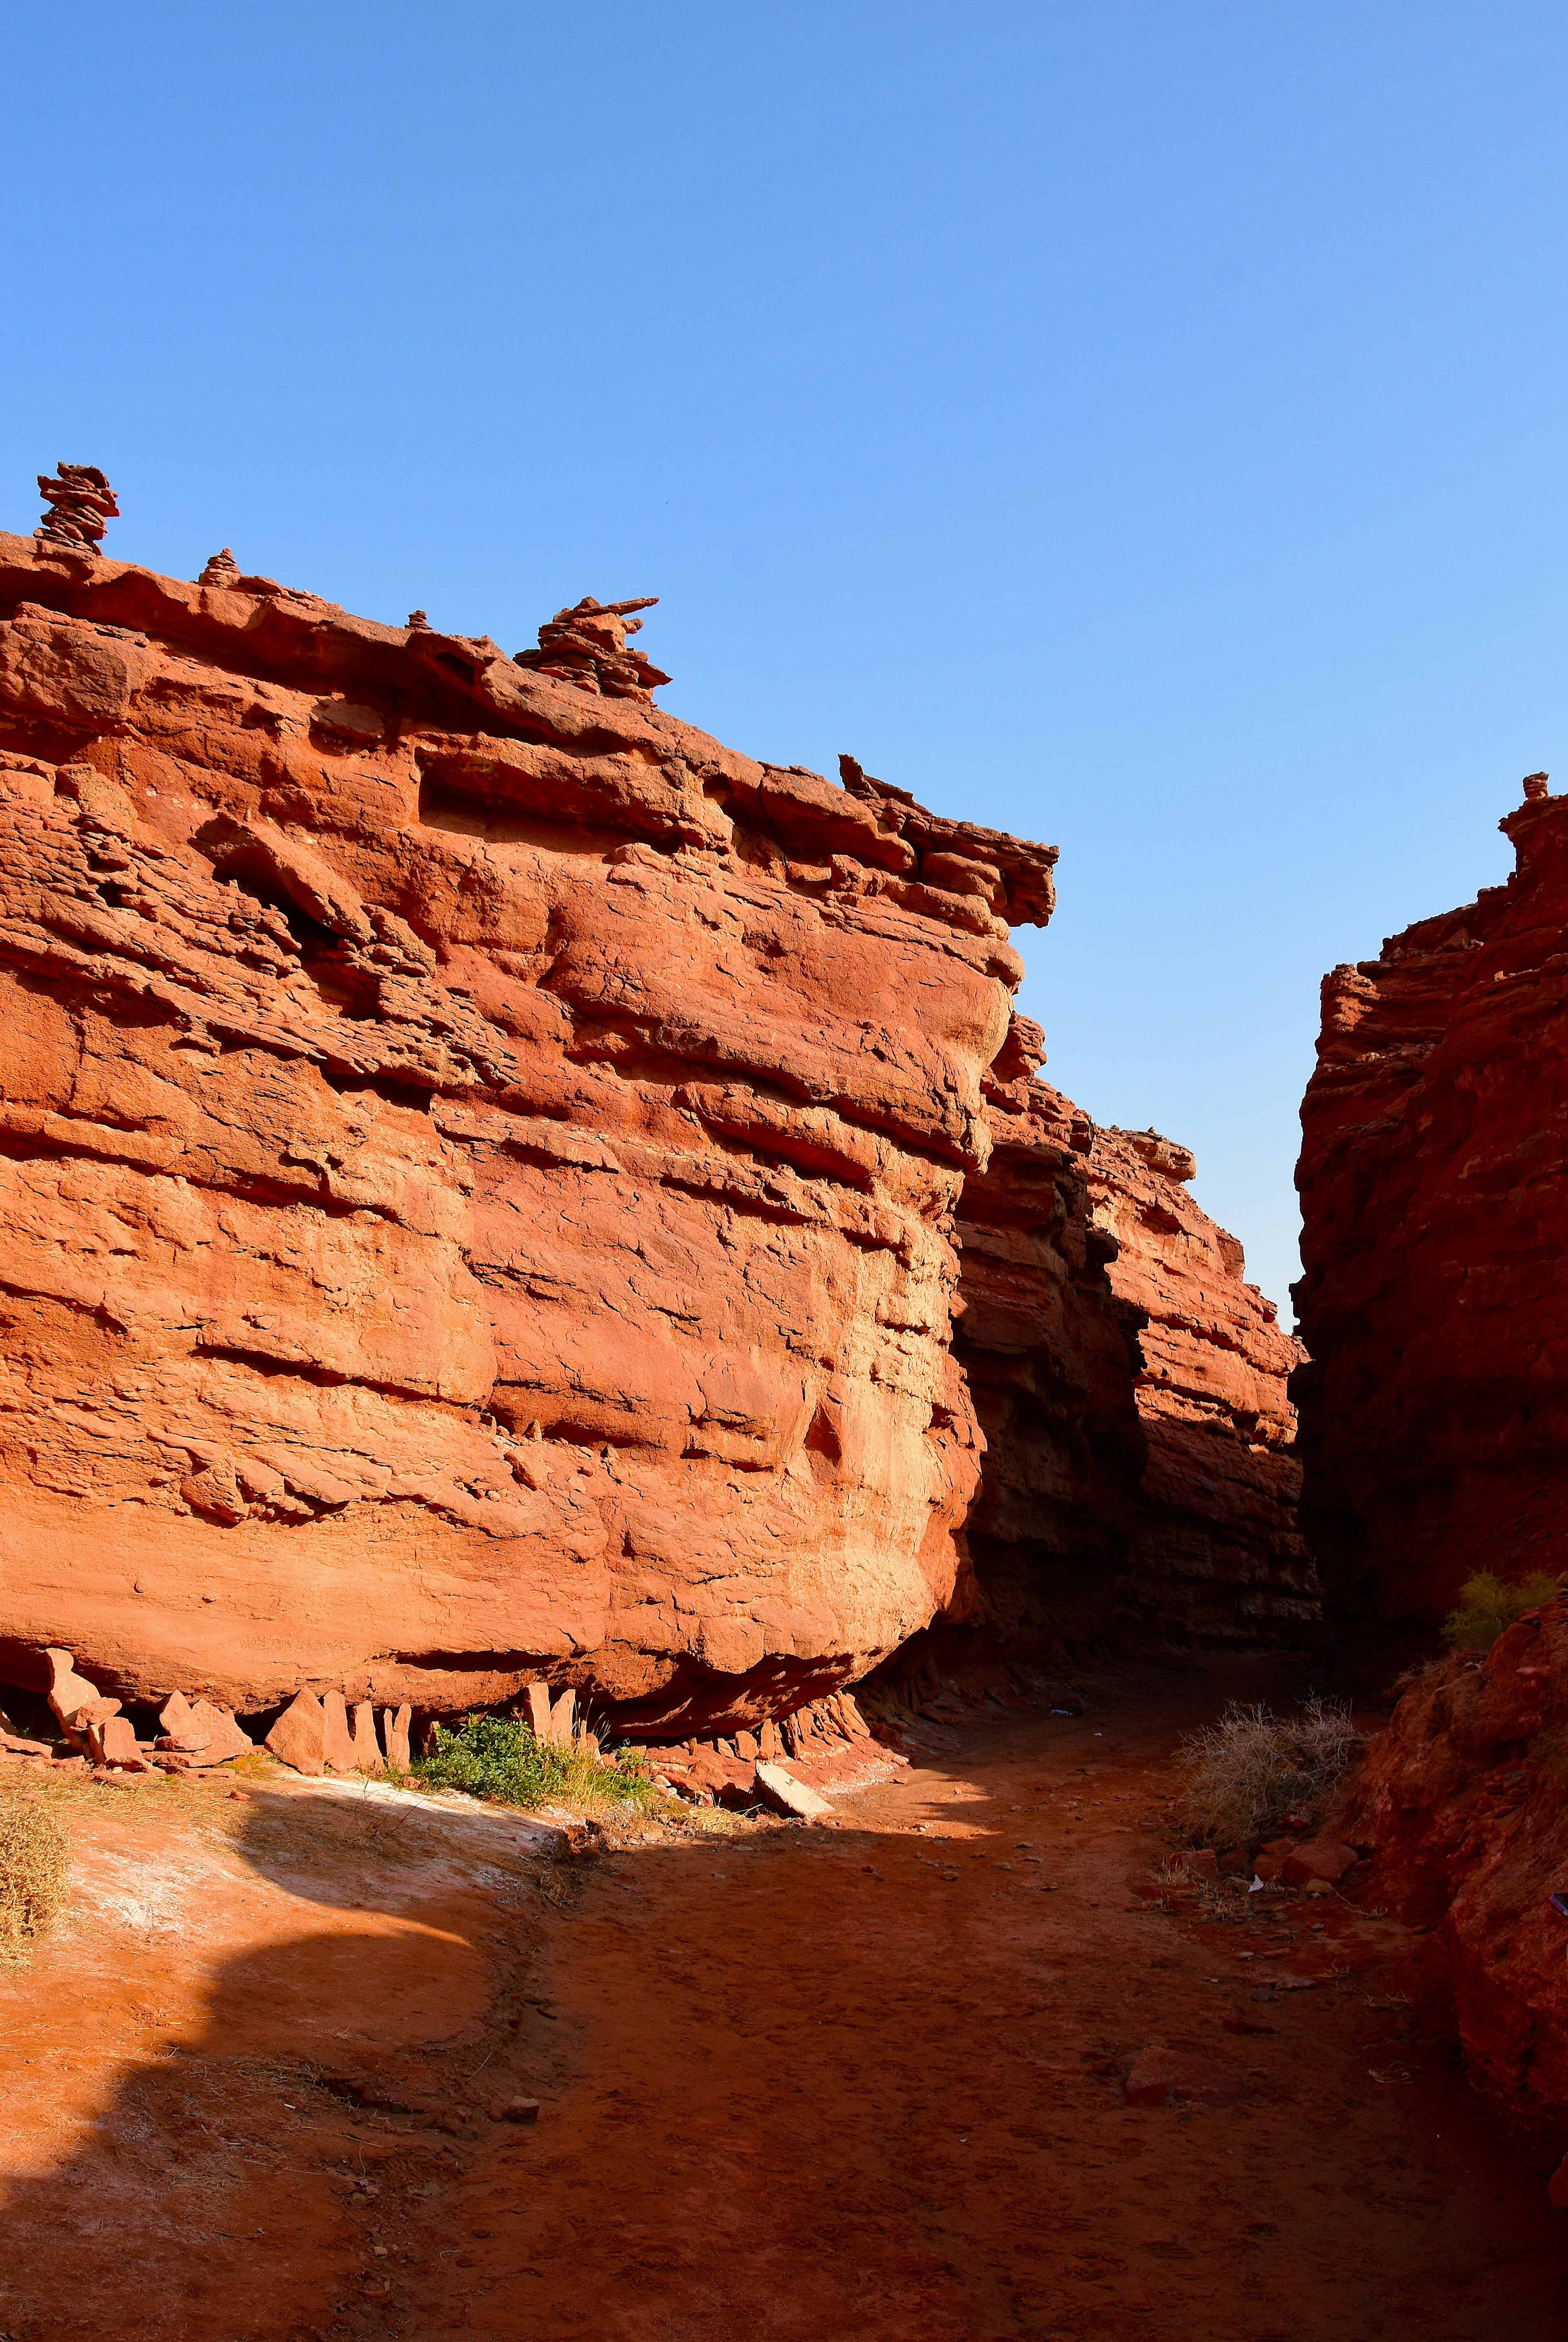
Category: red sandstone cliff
<point>1217,1557</point>
<point>1465,1802</point>
<point>1433,1180</point>
<point>1139,1482</point>
<point>479,1164</point>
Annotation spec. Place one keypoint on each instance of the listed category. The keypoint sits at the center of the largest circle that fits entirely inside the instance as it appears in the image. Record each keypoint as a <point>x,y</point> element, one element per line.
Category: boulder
<point>299,1738</point>
<point>777,1786</point>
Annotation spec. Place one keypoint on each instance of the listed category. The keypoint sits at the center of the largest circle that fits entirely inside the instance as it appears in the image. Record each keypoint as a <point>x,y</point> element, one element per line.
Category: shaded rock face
<point>1139,1486</point>
<point>1049,1355</point>
<point>1217,1557</point>
<point>479,1165</point>
<point>1433,1179</point>
<point>1464,1799</point>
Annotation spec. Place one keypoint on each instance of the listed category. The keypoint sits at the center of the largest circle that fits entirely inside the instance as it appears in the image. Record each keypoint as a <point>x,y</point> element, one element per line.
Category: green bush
<point>496,1757</point>
<point>1487,1604</point>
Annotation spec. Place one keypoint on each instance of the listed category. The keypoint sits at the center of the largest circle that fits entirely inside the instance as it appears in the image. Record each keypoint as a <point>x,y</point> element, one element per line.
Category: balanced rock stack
<point>222,569</point>
<point>586,647</point>
<point>81,504</point>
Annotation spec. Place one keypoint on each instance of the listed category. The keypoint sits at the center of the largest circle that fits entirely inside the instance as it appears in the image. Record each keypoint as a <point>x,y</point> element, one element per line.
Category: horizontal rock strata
<point>1433,1180</point>
<point>479,1163</point>
<point>1217,1557</point>
<point>1139,1483</point>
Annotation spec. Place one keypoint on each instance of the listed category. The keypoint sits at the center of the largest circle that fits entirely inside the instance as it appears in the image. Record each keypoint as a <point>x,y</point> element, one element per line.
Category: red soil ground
<point>793,2082</point>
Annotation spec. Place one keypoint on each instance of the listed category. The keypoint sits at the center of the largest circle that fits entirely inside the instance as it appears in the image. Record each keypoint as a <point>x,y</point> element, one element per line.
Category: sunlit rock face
<point>1433,1180</point>
<point>480,1165</point>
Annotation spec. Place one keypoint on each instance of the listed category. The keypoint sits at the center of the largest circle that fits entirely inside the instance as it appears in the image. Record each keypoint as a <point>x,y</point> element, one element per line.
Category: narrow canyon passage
<point>864,2079</point>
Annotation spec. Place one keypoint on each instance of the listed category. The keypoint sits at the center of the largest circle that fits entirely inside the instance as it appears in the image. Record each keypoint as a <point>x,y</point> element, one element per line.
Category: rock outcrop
<point>1139,1486</point>
<point>1218,1557</point>
<point>1433,1180</point>
<point>1050,1357</point>
<point>1463,1800</point>
<point>479,1162</point>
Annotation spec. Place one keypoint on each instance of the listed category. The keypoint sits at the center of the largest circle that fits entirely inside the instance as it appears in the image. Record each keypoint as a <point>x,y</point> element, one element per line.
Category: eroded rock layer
<point>1217,1557</point>
<point>478,1165</point>
<point>1049,1356</point>
<point>1433,1180</point>
<point>1139,1485</point>
<point>1465,1802</point>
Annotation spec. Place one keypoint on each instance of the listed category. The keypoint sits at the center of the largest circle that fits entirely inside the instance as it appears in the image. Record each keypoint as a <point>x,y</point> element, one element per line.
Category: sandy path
<point>862,2081</point>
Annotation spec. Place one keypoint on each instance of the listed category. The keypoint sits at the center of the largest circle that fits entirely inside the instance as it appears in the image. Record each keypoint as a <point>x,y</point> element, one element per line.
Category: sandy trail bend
<point>865,2080</point>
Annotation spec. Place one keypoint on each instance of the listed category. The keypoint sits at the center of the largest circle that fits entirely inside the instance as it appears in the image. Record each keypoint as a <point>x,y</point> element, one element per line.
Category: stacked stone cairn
<point>586,647</point>
<point>81,506</point>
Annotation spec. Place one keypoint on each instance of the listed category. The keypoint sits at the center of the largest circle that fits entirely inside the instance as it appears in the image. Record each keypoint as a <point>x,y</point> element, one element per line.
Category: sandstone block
<point>394,1724</point>
<point>299,1738</point>
<point>777,1788</point>
<point>76,1703</point>
<point>1319,1859</point>
<point>539,1710</point>
<point>563,1716</point>
<point>366,1748</point>
<point>337,1741</point>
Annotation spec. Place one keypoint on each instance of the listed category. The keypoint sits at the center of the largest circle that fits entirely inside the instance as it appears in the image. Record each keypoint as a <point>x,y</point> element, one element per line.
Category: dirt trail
<point>864,2080</point>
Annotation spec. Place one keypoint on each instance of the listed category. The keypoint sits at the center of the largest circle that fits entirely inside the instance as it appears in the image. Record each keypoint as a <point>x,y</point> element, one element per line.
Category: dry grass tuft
<point>1247,1772</point>
<point>34,1855</point>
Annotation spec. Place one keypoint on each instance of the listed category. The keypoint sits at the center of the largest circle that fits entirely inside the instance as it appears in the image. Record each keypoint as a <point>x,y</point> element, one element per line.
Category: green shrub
<point>496,1757</point>
<point>1487,1604</point>
<point>35,1853</point>
<point>1247,1772</point>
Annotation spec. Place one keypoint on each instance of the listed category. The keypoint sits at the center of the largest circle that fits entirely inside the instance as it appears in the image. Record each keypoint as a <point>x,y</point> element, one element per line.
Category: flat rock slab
<point>778,1788</point>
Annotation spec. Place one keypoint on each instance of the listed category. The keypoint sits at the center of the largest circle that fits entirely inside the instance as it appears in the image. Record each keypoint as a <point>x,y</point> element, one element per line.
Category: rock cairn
<point>419,623</point>
<point>222,569</point>
<point>81,506</point>
<point>586,647</point>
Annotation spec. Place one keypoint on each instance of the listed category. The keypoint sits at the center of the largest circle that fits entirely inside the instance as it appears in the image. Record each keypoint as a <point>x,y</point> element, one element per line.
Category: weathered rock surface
<point>1138,1483</point>
<point>1217,1557</point>
<point>1050,1357</point>
<point>1433,1180</point>
<point>1464,1801</point>
<point>478,1165</point>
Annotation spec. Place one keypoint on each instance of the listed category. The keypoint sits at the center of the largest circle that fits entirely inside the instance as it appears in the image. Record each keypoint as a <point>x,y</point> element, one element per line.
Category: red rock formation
<point>1138,1482</point>
<point>1049,1356</point>
<point>1217,1557</point>
<point>1433,1180</point>
<point>478,1165</point>
<point>1465,1802</point>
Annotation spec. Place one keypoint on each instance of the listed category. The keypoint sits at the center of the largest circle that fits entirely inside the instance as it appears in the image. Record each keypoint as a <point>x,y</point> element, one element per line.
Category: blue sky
<point>1141,427</point>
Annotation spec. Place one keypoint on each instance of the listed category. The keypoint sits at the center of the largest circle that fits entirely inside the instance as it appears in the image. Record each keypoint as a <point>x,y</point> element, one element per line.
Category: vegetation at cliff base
<point>1488,1603</point>
<point>497,1757</point>
<point>34,1853</point>
<point>1244,1773</point>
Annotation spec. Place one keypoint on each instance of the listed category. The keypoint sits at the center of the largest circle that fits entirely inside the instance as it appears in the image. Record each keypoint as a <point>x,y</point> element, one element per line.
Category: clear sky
<point>1138,427</point>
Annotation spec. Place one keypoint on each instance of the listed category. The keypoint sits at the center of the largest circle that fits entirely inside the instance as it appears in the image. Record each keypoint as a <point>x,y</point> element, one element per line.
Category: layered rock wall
<point>1433,1180</point>
<point>1218,1557</point>
<point>1139,1486</point>
<point>479,1161</point>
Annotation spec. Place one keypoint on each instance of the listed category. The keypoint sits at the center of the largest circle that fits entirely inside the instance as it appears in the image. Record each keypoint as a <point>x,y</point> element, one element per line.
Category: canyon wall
<point>479,1165</point>
<point>1217,1558</point>
<point>1433,1181</point>
<point>1139,1487</point>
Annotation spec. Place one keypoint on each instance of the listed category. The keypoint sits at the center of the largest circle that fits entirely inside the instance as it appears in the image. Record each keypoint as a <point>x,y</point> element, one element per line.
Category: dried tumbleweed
<point>1247,1772</point>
